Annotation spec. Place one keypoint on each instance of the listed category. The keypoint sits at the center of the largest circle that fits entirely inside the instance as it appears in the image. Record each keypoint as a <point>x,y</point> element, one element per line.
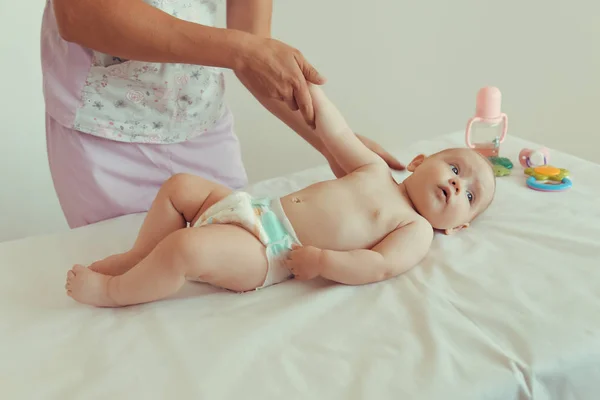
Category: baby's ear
<point>418,160</point>
<point>454,230</point>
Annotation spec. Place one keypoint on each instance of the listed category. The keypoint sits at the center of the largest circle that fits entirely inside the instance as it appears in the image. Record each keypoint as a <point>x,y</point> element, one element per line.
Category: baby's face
<point>450,188</point>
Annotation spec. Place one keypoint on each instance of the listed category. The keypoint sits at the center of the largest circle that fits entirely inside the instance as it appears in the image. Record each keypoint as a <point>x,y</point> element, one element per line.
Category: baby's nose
<point>455,182</point>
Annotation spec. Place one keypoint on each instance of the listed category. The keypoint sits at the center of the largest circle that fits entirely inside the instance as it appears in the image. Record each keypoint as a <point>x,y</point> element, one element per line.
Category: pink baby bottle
<point>487,129</point>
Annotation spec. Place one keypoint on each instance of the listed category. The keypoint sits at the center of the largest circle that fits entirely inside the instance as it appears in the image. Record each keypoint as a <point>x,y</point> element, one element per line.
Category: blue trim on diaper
<point>279,239</point>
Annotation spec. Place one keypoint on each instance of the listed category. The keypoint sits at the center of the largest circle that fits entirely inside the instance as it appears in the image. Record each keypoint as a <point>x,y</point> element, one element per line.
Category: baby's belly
<point>334,227</point>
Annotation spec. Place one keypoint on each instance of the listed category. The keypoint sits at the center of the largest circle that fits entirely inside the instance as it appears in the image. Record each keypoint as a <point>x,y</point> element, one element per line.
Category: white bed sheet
<point>508,309</point>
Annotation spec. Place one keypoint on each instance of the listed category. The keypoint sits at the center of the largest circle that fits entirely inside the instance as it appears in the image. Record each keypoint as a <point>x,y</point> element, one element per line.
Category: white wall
<point>400,70</point>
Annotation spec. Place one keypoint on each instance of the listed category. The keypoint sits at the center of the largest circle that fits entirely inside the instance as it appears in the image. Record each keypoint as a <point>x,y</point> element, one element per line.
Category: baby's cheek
<point>460,213</point>
<point>467,213</point>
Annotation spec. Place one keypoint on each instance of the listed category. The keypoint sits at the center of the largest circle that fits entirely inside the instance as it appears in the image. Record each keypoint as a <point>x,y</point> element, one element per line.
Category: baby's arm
<point>337,137</point>
<point>398,252</point>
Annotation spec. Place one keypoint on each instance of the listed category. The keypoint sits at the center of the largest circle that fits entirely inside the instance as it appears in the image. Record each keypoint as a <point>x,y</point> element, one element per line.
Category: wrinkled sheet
<point>508,309</point>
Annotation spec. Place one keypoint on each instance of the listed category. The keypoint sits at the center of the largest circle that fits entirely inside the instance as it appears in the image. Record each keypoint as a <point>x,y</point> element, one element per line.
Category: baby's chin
<point>434,216</point>
<point>435,213</point>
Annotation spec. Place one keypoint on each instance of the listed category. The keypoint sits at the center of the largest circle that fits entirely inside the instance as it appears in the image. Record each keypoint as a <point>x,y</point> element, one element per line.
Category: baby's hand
<point>304,262</point>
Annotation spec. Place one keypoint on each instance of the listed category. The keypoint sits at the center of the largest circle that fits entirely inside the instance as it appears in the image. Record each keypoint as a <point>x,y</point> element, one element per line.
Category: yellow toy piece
<point>539,178</point>
<point>547,173</point>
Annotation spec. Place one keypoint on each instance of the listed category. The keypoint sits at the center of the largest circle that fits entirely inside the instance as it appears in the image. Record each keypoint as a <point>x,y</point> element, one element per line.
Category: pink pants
<point>98,179</point>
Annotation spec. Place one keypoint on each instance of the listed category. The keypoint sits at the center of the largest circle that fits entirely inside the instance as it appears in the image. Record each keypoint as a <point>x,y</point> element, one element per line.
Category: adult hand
<point>273,69</point>
<point>376,148</point>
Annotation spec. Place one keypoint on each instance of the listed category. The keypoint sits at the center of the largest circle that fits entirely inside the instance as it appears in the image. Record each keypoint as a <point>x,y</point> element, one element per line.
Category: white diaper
<point>265,219</point>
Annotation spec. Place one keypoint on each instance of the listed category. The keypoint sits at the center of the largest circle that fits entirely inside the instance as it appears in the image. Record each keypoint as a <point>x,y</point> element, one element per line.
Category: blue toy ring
<point>549,187</point>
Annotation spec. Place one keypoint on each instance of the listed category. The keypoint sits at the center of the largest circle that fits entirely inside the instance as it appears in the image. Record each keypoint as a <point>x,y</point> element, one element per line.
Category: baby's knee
<point>179,182</point>
<point>185,191</point>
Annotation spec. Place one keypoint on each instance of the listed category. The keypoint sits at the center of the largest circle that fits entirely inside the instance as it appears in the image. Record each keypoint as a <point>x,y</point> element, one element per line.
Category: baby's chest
<point>375,198</point>
<point>382,210</point>
<point>370,215</point>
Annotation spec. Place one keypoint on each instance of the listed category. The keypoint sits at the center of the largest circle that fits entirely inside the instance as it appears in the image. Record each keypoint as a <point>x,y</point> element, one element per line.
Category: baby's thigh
<point>226,256</point>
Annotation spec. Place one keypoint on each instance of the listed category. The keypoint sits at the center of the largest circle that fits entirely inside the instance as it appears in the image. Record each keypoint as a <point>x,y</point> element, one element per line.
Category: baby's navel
<point>296,200</point>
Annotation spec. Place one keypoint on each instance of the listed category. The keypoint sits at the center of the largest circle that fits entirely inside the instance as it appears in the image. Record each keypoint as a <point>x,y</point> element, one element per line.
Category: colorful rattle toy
<point>543,177</point>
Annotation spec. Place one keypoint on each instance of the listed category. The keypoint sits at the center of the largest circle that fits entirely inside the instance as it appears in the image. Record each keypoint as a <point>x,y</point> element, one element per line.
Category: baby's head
<point>451,188</point>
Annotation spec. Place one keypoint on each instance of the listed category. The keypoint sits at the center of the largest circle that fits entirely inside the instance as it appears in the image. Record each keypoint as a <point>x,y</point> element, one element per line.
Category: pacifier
<point>534,158</point>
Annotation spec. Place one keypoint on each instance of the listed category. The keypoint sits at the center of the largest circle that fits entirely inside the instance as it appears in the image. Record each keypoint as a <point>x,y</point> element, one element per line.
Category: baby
<point>358,229</point>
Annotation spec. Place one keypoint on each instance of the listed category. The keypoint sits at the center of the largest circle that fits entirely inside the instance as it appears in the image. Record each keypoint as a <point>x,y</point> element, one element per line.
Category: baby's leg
<point>181,199</point>
<point>226,256</point>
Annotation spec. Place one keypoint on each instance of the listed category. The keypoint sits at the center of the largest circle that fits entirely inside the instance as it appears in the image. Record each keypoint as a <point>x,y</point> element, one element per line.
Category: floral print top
<point>127,100</point>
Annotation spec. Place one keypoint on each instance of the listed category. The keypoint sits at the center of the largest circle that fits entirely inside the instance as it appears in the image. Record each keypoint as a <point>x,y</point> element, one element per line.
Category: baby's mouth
<point>445,192</point>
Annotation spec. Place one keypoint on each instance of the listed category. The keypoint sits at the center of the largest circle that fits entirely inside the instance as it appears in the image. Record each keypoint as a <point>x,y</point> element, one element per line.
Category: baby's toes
<point>78,268</point>
<point>70,277</point>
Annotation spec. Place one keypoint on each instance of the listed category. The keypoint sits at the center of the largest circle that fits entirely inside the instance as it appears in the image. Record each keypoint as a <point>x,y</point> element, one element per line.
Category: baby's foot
<point>89,287</point>
<point>117,264</point>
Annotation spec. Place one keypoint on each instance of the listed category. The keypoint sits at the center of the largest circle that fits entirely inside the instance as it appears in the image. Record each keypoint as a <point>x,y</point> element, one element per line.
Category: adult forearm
<point>252,16</point>
<point>356,267</point>
<point>255,16</point>
<point>132,29</point>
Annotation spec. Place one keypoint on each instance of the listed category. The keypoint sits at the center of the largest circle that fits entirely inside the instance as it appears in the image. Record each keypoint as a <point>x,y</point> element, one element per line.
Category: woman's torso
<point>126,100</point>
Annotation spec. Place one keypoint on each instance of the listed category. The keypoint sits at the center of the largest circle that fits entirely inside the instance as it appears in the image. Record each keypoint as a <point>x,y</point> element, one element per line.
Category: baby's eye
<point>470,197</point>
<point>454,169</point>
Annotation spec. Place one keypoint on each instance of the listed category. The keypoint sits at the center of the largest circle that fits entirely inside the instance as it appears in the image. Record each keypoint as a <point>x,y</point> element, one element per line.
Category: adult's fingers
<point>391,161</point>
<point>310,73</point>
<point>304,101</point>
<point>291,103</point>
